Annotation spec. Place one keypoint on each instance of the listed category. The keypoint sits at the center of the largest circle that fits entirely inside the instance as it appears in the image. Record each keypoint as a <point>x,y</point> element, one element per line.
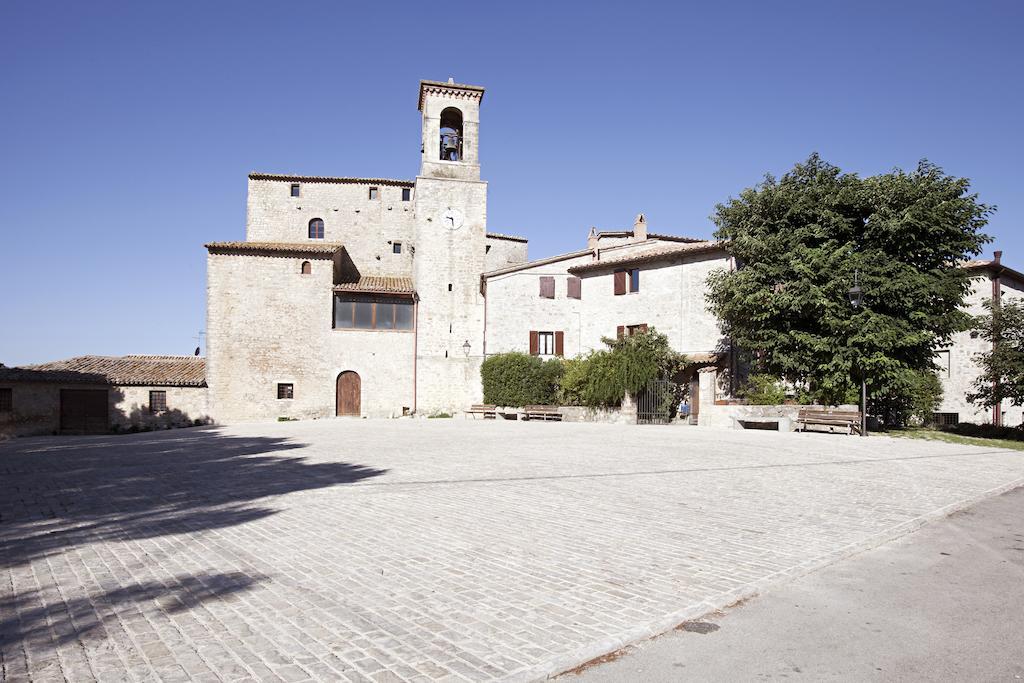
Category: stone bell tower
<point>451,229</point>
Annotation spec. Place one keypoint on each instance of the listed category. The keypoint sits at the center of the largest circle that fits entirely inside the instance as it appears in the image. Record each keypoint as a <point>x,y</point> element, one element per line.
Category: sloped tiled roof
<point>275,247</point>
<point>992,266</point>
<point>377,284</point>
<point>649,256</point>
<point>171,371</point>
<point>330,179</point>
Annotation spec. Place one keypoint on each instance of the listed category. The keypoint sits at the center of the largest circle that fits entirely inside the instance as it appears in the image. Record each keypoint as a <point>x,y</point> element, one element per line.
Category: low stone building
<point>98,394</point>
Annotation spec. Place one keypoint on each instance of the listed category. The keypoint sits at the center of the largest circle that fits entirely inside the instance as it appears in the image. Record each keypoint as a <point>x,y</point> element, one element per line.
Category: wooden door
<point>349,391</point>
<point>84,411</point>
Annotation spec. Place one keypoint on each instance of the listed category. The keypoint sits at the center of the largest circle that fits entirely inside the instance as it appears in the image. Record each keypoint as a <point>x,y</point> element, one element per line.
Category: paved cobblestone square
<point>426,550</point>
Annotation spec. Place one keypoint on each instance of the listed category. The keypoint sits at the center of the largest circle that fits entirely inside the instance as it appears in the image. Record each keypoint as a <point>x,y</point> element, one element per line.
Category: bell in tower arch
<point>451,135</point>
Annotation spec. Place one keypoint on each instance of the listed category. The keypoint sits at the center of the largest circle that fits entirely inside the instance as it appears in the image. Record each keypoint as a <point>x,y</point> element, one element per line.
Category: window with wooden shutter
<point>620,331</point>
<point>620,282</point>
<point>547,287</point>
<point>573,287</point>
<point>534,343</point>
<point>559,343</point>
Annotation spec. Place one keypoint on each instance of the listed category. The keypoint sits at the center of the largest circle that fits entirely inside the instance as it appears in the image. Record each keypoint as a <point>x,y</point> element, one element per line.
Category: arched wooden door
<point>349,392</point>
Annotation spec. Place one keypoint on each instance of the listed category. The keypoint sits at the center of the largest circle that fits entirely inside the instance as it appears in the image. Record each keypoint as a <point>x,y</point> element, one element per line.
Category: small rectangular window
<point>285,391</point>
<point>295,189</point>
<point>574,287</point>
<point>941,419</point>
<point>6,400</point>
<point>406,194</point>
<point>634,280</point>
<point>942,362</point>
<point>157,401</point>
<point>635,329</point>
<point>373,193</point>
<point>396,247</point>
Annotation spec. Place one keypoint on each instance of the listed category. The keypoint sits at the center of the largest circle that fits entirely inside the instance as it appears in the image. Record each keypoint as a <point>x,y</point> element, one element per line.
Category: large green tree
<point>798,241</point>
<point>1002,366</point>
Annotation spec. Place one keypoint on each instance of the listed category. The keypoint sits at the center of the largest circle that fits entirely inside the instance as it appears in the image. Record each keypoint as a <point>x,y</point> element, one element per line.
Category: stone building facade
<point>957,366</point>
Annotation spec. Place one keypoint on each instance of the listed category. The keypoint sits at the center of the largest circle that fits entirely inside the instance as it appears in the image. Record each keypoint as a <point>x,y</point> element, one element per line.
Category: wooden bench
<point>487,411</point>
<point>541,413</point>
<point>847,419</point>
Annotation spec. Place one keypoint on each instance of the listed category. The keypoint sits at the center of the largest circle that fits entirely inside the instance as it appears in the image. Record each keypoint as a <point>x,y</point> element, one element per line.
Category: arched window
<point>451,134</point>
<point>316,229</point>
<point>306,268</point>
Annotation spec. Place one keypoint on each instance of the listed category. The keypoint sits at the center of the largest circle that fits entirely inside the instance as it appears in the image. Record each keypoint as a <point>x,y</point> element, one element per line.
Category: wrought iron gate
<point>654,404</point>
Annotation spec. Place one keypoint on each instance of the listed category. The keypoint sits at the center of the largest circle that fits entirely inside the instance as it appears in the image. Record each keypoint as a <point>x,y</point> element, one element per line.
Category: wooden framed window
<point>295,190</point>
<point>362,313</point>
<point>157,401</point>
<point>396,247</point>
<point>316,229</point>
<point>547,287</point>
<point>6,400</point>
<point>573,288</point>
<point>285,390</point>
<point>307,268</point>
<point>406,194</point>
<point>547,343</point>
<point>374,193</point>
<point>627,281</point>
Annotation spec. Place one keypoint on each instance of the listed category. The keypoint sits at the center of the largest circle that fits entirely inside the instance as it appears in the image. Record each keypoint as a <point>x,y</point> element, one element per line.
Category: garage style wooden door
<point>349,390</point>
<point>84,411</point>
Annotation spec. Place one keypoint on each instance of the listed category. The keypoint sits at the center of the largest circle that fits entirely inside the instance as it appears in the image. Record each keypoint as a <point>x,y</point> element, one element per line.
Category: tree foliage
<point>628,365</point>
<point>1002,366</point>
<point>798,241</point>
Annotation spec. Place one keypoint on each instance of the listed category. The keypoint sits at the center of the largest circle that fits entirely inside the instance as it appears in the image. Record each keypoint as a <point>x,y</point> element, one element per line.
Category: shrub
<point>763,390</point>
<point>907,397</point>
<point>518,379</point>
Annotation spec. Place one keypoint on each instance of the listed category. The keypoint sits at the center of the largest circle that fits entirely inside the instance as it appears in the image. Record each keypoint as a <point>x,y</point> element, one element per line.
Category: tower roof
<point>449,88</point>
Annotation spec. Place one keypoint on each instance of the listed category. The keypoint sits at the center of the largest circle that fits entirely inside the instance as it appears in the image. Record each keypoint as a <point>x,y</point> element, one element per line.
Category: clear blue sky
<point>128,128</point>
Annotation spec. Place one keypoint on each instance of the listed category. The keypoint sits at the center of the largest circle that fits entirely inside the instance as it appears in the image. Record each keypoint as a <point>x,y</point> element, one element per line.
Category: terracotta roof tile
<point>275,247</point>
<point>650,255</point>
<point>172,371</point>
<point>376,284</point>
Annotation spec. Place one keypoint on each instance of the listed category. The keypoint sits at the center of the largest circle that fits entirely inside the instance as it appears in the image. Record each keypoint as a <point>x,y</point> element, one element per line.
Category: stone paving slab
<point>426,550</point>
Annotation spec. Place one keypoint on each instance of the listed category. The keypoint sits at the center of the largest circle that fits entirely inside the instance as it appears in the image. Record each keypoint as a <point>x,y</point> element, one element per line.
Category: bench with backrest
<point>541,413</point>
<point>823,417</point>
<point>486,410</point>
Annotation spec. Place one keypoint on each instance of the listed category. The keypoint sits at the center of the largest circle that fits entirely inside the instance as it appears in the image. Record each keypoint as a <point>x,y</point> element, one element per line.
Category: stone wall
<point>268,324</point>
<point>36,407</point>
<point>501,252</point>
<point>367,227</point>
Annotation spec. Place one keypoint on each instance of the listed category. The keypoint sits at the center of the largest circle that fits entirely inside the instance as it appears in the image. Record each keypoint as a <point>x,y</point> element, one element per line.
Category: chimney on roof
<point>592,240</point>
<point>640,228</point>
<point>451,80</point>
<point>998,255</point>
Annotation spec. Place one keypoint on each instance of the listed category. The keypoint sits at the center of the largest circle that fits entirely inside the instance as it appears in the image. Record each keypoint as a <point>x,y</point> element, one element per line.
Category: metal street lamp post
<point>856,295</point>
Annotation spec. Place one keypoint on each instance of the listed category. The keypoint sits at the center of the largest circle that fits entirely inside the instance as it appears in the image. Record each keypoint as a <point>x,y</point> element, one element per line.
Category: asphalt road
<point>944,603</point>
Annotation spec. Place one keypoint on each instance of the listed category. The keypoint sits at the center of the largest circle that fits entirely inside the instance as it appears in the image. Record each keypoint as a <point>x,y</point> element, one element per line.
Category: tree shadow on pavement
<point>59,493</point>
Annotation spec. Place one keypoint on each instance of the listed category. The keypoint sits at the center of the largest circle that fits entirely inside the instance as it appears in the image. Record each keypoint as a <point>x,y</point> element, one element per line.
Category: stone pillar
<point>708,385</point>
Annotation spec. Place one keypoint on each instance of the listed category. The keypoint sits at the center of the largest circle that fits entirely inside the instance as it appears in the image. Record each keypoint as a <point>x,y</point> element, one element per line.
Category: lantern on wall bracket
<point>465,348</point>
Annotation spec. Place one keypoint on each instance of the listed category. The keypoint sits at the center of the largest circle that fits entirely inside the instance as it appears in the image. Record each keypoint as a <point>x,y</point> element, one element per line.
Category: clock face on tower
<point>453,219</point>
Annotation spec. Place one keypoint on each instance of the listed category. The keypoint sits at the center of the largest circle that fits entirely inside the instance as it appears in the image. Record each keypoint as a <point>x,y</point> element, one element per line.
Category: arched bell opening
<point>451,135</point>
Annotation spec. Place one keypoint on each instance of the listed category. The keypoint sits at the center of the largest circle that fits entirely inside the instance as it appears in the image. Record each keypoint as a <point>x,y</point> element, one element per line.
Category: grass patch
<point>947,437</point>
